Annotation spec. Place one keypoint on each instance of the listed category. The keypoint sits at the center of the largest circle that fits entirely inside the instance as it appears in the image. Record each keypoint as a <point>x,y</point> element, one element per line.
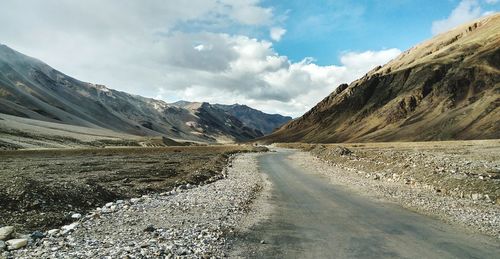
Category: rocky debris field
<point>190,221</point>
<point>461,169</point>
<point>41,189</point>
<point>456,182</point>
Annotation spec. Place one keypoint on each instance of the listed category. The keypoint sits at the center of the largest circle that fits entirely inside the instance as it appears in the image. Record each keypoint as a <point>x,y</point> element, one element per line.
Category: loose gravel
<point>188,222</point>
<point>477,216</point>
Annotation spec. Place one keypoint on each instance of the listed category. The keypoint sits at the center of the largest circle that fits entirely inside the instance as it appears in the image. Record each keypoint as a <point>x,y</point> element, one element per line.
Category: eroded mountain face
<point>32,89</point>
<point>445,88</point>
<point>266,123</point>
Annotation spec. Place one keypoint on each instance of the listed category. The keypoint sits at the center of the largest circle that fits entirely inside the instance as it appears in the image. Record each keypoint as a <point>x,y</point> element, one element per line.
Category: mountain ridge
<point>442,89</point>
<point>32,89</point>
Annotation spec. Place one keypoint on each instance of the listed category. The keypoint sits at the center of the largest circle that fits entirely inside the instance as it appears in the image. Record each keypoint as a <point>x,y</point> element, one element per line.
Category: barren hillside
<point>442,89</point>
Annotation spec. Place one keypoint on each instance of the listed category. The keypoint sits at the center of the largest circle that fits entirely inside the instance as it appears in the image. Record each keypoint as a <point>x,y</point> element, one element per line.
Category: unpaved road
<point>311,218</point>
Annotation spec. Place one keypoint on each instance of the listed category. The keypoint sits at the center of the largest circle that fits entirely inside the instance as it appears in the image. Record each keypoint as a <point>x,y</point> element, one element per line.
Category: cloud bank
<point>170,50</point>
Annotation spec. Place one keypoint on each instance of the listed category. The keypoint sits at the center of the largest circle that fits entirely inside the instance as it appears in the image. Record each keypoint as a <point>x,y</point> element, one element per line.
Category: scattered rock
<point>3,246</point>
<point>14,244</point>
<point>191,224</point>
<point>150,228</point>
<point>37,235</point>
<point>76,216</point>
<point>52,232</point>
<point>68,228</point>
<point>342,151</point>
<point>476,196</point>
<point>6,232</point>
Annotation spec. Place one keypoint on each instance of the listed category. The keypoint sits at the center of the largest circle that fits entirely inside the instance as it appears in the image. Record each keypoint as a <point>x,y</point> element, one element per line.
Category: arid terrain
<point>41,189</point>
<point>400,159</point>
<point>316,209</point>
<point>456,181</point>
<point>210,201</point>
<point>462,169</point>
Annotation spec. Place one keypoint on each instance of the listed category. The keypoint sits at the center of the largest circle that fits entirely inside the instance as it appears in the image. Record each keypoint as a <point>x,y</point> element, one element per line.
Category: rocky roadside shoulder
<point>190,222</point>
<point>477,216</point>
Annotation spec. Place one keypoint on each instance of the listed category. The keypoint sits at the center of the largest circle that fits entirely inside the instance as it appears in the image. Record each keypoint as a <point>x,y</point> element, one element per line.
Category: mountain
<point>266,123</point>
<point>263,123</point>
<point>442,89</point>
<point>32,89</point>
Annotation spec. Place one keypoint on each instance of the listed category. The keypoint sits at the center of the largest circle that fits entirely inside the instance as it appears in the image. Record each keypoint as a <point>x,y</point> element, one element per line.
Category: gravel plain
<point>188,222</point>
<point>41,189</point>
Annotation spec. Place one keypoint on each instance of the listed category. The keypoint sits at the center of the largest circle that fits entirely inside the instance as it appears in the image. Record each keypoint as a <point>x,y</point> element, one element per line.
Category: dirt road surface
<point>311,218</point>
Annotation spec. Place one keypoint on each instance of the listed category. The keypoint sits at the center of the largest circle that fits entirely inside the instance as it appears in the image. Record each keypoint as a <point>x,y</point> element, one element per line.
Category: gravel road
<point>192,222</point>
<point>313,218</point>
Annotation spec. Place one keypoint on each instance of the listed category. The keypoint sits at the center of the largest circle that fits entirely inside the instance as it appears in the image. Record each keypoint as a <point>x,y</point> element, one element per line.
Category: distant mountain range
<point>256,119</point>
<point>446,88</point>
<point>32,89</point>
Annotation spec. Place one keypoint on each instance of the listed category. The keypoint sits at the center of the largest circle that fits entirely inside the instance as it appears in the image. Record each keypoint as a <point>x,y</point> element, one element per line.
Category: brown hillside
<point>443,89</point>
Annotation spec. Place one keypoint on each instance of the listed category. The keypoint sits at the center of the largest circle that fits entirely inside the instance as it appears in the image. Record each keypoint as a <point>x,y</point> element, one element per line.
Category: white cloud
<point>156,50</point>
<point>491,1</point>
<point>360,62</point>
<point>276,33</point>
<point>260,77</point>
<point>465,11</point>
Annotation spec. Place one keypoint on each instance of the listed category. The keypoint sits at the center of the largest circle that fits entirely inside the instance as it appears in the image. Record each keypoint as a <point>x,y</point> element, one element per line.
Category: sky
<point>276,56</point>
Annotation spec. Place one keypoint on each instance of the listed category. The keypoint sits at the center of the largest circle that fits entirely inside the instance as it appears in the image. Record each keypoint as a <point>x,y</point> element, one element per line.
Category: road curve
<point>312,218</point>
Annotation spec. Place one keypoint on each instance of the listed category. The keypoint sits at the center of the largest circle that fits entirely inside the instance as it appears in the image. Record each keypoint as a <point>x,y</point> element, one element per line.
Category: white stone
<point>477,196</point>
<point>52,231</point>
<point>76,216</point>
<point>14,244</point>
<point>69,227</point>
<point>5,232</point>
<point>109,204</point>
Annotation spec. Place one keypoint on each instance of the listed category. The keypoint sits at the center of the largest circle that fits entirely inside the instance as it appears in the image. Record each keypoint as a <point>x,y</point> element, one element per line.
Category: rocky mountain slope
<point>256,119</point>
<point>445,88</point>
<point>30,88</point>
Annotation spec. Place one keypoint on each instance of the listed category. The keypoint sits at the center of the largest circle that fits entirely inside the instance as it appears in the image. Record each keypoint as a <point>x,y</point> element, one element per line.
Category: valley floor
<point>385,199</point>
<point>191,222</point>
<point>40,189</point>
